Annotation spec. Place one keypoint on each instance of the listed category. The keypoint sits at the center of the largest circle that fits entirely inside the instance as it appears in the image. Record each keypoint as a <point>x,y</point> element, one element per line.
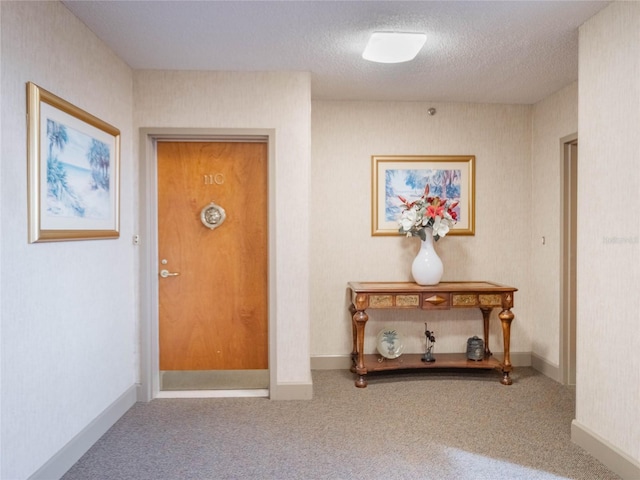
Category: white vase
<point>427,267</point>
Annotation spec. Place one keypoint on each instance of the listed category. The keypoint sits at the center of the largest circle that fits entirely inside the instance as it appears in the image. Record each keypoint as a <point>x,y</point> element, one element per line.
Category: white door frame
<point>568,252</point>
<point>149,385</point>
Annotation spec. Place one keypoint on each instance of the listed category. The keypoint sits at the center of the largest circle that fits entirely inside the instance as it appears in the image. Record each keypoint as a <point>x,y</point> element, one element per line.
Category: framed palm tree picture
<point>73,171</point>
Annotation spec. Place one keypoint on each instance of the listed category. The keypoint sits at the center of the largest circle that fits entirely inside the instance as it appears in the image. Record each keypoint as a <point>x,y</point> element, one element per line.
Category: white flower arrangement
<point>427,212</point>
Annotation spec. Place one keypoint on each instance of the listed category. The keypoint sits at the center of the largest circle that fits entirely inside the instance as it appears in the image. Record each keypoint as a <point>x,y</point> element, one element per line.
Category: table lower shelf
<point>377,363</point>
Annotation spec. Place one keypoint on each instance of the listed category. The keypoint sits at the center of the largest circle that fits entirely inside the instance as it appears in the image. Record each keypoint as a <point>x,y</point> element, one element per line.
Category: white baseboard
<point>518,359</point>
<point>548,369</point>
<point>331,362</point>
<point>291,391</point>
<point>68,455</point>
<point>343,362</point>
<point>615,460</point>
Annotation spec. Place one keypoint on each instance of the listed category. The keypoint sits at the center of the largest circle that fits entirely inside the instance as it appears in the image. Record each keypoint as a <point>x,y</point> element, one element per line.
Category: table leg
<point>354,350</point>
<point>506,316</point>
<point>486,315</point>
<point>359,320</point>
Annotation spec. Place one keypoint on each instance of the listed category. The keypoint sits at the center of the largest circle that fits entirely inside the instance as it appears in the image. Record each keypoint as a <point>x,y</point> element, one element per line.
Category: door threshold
<point>189,380</point>
<point>213,393</point>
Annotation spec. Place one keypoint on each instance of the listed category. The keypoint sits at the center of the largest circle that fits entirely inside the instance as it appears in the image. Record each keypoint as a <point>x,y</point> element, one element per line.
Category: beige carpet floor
<point>422,425</point>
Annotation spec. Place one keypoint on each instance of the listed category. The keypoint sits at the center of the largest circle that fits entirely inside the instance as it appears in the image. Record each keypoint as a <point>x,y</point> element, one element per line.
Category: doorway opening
<point>151,376</point>
<point>569,217</point>
<point>212,246</point>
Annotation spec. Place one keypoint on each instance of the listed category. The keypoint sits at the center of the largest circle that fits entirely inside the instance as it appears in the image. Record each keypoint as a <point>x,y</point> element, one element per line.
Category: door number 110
<point>214,179</point>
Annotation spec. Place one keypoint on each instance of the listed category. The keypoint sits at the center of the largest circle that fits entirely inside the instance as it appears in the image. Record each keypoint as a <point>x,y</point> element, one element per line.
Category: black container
<point>475,348</point>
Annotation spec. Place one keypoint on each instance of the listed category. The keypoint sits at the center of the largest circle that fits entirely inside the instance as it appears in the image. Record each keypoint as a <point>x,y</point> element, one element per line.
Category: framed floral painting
<point>73,171</point>
<point>395,178</point>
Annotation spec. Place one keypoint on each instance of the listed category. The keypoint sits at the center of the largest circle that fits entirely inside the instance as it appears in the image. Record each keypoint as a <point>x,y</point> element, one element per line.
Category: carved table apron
<point>444,296</point>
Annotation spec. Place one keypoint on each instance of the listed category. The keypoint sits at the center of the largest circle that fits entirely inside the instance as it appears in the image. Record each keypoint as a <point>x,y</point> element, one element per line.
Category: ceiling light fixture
<point>393,47</point>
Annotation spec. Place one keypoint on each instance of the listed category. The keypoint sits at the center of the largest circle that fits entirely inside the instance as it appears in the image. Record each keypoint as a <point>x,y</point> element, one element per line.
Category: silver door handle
<point>167,273</point>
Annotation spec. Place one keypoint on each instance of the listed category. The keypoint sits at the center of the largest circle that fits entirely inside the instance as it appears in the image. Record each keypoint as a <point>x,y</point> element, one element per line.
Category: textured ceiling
<point>480,51</point>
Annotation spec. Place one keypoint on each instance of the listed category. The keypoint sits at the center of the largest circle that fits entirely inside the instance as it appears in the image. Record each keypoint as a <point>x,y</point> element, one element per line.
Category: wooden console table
<point>444,296</point>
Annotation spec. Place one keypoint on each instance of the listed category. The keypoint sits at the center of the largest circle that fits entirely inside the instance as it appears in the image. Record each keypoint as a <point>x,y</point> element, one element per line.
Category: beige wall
<point>324,241</point>
<point>553,118</point>
<point>68,308</point>
<point>344,137</point>
<point>1,364</point>
<point>279,101</point>
<point>608,363</point>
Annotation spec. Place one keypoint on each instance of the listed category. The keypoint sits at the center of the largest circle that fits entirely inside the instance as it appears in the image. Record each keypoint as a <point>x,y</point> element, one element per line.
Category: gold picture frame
<point>449,176</point>
<point>73,171</point>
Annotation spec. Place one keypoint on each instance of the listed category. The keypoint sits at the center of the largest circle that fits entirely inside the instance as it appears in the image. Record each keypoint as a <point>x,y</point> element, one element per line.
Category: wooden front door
<point>213,313</point>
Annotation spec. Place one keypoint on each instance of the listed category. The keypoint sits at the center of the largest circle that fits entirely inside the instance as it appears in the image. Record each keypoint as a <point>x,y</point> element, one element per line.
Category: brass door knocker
<point>212,216</point>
